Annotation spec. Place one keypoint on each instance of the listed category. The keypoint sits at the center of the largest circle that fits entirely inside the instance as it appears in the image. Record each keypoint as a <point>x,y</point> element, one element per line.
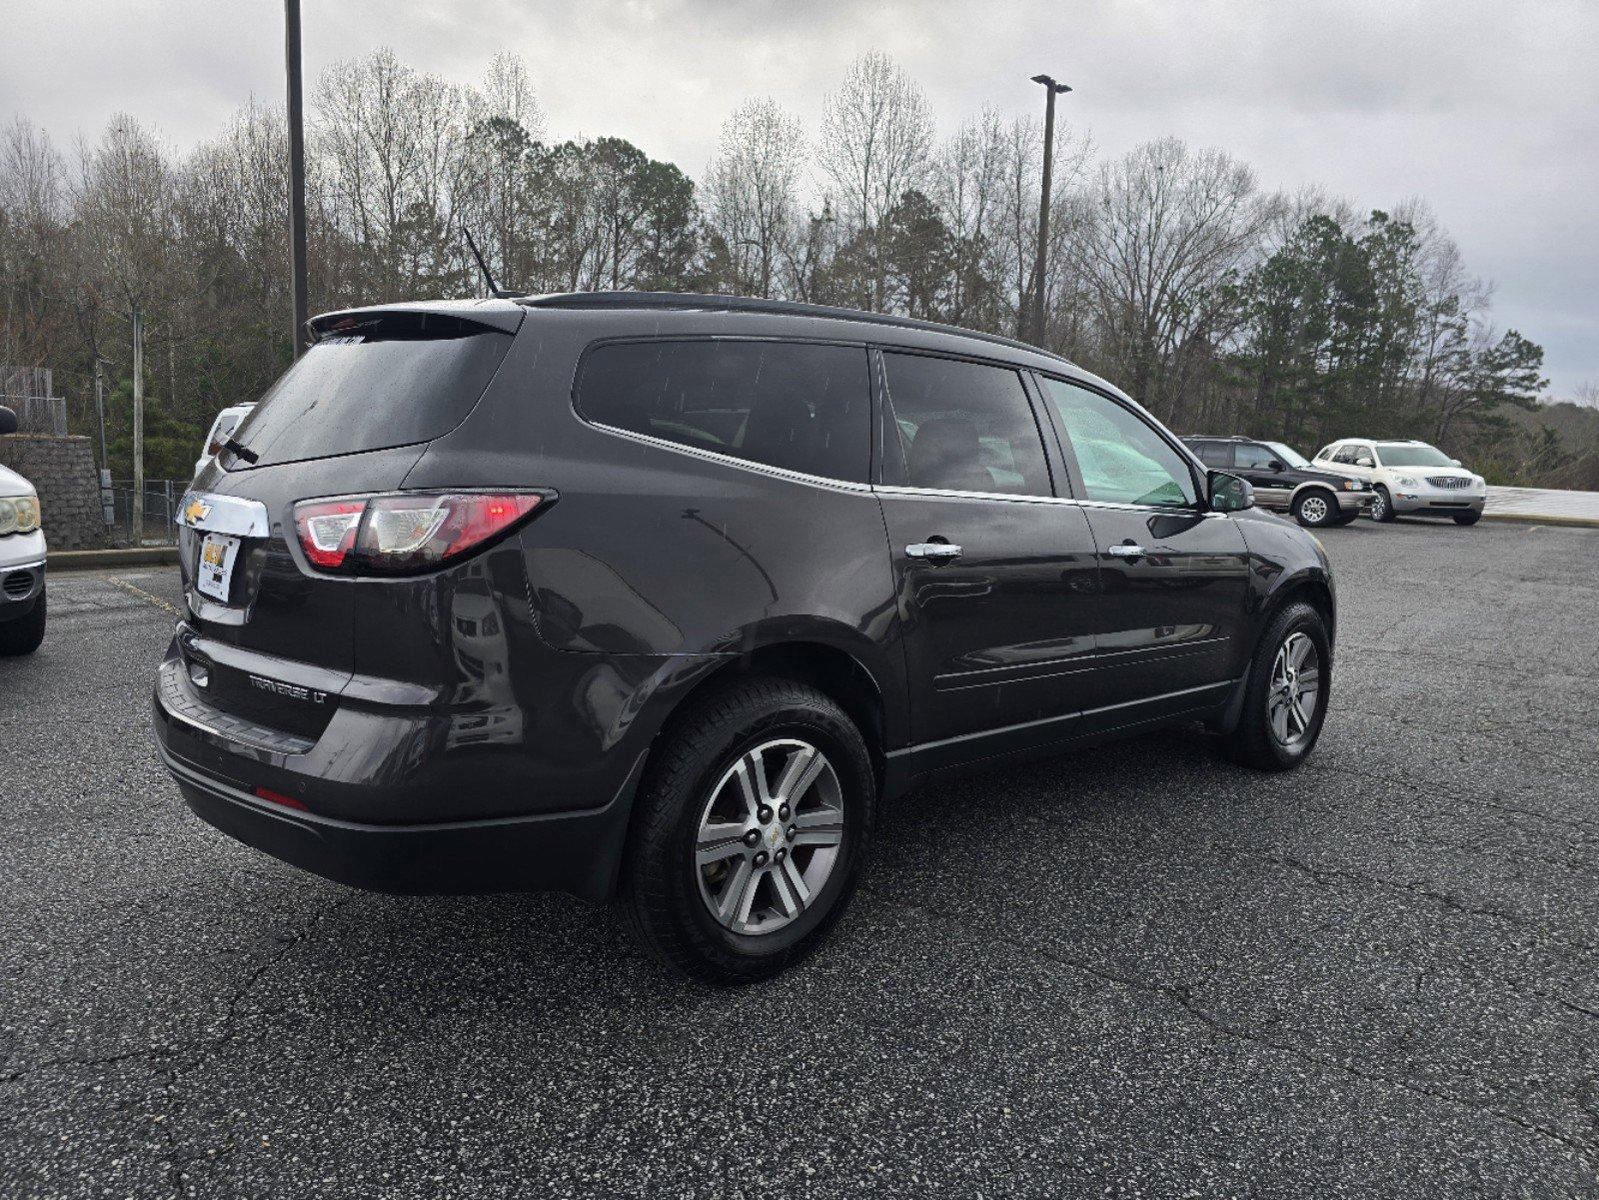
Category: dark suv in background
<point>660,596</point>
<point>1285,479</point>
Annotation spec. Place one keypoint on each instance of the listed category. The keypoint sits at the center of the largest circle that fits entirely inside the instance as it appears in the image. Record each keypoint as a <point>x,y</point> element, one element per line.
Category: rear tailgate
<point>273,639</point>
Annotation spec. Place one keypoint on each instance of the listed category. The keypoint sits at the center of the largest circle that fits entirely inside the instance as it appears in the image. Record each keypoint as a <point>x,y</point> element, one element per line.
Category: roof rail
<point>757,304</point>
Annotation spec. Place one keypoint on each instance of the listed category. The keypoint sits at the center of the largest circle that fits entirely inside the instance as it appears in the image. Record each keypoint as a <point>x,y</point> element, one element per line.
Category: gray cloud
<point>1488,110</point>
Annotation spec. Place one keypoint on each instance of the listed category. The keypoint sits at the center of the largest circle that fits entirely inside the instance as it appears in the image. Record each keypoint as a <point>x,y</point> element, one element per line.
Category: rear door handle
<point>1126,551</point>
<point>936,551</point>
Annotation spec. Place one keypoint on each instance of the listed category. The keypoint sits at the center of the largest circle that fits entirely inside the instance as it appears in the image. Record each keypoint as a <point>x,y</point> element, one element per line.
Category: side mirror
<point>1276,465</point>
<point>1457,462</point>
<point>1228,493</point>
<point>1366,461</point>
<point>8,421</point>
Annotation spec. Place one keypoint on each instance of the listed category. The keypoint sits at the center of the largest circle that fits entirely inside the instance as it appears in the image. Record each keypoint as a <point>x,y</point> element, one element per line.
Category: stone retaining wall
<point>63,471</point>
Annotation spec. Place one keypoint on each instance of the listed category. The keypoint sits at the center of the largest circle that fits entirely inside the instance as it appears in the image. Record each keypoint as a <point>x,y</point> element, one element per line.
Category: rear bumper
<point>572,852</point>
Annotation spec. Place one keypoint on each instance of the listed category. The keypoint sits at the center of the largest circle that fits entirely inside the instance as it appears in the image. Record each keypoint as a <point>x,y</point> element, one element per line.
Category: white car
<point>1409,477</point>
<point>221,430</point>
<point>22,608</point>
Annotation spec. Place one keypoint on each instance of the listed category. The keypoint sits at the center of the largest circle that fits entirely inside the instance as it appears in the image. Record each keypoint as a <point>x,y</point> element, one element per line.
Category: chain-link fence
<point>161,500</point>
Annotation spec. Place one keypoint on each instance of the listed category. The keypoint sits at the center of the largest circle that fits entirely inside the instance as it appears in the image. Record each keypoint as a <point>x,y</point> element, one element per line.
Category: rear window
<point>1213,454</point>
<point>373,382</point>
<point>797,406</point>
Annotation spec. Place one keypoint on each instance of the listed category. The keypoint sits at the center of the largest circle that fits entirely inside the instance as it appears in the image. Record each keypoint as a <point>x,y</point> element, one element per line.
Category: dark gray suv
<point>658,597</point>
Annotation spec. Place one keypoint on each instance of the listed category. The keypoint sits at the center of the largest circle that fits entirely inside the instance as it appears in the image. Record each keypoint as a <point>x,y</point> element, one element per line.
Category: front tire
<point>1286,694</point>
<point>753,820</point>
<point>1467,518</point>
<point>1315,508</point>
<point>1382,508</point>
<point>23,635</point>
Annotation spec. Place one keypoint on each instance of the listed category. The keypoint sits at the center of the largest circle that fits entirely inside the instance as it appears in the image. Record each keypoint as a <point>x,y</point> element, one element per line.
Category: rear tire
<point>1382,508</point>
<point>1259,740</point>
<point>1467,518</point>
<point>1316,508</point>
<point>686,909</point>
<point>23,635</point>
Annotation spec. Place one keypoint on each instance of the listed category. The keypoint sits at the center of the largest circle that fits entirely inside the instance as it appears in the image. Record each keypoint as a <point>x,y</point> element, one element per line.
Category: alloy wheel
<point>769,836</point>
<point>1294,690</point>
<point>1379,507</point>
<point>1313,510</point>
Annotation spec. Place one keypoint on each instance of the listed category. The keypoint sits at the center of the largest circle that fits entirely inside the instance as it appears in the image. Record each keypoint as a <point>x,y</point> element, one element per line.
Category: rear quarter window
<point>797,406</point>
<point>380,380</point>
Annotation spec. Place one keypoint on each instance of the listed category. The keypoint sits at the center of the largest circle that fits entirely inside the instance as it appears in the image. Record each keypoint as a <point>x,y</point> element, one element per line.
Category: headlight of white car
<point>18,514</point>
<point>1409,481</point>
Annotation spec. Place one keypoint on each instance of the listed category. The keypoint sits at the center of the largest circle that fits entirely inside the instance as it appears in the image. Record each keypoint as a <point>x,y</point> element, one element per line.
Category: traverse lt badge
<point>291,690</point>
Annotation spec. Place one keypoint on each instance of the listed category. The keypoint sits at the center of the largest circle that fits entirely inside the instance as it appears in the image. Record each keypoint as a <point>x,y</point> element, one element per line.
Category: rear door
<point>1173,577</point>
<point>995,573</point>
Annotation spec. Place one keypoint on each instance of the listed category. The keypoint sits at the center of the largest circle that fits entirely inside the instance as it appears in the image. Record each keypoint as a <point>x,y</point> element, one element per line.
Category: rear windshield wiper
<point>241,451</point>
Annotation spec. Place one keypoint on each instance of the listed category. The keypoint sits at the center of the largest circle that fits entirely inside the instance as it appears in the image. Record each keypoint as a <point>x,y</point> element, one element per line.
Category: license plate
<point>217,554</point>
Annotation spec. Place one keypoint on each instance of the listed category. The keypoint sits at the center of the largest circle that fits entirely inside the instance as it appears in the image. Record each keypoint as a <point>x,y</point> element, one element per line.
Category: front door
<point>1265,472</point>
<point>1173,576</point>
<point>996,577</point>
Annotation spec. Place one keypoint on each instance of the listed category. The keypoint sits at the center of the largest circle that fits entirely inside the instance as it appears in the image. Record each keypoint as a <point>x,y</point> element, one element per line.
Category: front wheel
<point>1467,518</point>
<point>1382,508</point>
<point>1315,509</point>
<point>23,635</point>
<point>752,823</point>
<point>1285,696</point>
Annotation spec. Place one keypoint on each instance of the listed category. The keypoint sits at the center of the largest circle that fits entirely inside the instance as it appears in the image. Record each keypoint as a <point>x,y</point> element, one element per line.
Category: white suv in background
<point>21,559</point>
<point>1409,477</point>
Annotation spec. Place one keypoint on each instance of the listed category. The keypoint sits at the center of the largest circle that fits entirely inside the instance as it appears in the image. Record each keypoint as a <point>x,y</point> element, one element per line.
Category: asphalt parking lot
<point>1135,971</point>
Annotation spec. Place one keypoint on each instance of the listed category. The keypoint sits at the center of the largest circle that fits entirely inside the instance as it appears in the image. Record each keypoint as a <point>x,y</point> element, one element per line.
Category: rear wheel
<point>1285,697</point>
<point>1382,508</point>
<point>23,635</point>
<point>753,821</point>
<point>1315,508</point>
<point>1467,518</point>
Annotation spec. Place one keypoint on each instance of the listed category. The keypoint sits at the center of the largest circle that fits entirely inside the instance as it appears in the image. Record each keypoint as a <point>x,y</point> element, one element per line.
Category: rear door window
<point>374,381</point>
<point>964,427</point>
<point>802,407</point>
<point>1213,454</point>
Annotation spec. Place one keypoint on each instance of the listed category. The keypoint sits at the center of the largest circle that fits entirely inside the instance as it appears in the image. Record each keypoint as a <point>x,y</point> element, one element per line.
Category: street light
<point>296,121</point>
<point>1051,90</point>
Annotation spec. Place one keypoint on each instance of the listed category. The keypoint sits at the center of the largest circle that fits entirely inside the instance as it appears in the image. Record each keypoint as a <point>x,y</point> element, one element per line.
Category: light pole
<point>291,54</point>
<point>1051,90</point>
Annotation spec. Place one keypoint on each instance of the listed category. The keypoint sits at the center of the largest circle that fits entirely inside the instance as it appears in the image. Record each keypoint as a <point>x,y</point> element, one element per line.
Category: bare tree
<point>876,144</point>
<point>752,192</point>
<point>1167,229</point>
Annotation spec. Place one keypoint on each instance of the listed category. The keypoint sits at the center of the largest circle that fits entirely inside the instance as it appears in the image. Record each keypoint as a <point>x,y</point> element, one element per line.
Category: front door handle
<point>1126,551</point>
<point>936,551</point>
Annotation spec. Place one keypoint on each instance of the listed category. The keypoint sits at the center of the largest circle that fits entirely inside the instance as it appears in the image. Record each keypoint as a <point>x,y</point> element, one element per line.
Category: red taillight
<point>406,532</point>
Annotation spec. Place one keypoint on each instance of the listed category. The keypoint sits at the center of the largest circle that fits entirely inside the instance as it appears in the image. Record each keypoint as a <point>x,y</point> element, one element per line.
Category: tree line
<point>1223,306</point>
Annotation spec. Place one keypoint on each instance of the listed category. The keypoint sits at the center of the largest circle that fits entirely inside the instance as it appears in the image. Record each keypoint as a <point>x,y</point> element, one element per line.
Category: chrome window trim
<point>730,460</point>
<point>886,489</point>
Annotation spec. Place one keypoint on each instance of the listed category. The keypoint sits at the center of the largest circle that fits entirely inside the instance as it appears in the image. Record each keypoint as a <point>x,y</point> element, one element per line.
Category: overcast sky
<point>1488,109</point>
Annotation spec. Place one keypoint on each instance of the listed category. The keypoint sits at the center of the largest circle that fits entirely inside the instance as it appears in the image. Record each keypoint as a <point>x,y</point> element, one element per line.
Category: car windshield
<point>1288,454</point>
<point>1405,454</point>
